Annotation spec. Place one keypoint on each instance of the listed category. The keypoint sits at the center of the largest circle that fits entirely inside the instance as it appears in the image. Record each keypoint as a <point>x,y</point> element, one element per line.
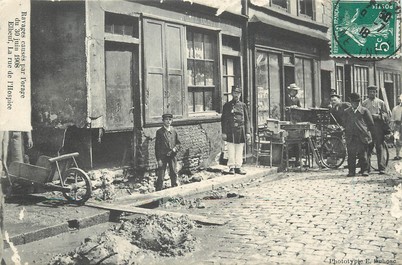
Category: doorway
<point>325,88</point>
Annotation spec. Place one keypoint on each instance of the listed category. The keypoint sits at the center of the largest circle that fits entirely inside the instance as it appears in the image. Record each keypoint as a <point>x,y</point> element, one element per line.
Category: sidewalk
<point>28,219</point>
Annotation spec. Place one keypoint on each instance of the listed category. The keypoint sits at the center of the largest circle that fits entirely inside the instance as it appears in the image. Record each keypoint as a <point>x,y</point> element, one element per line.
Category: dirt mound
<point>165,234</point>
<point>128,241</point>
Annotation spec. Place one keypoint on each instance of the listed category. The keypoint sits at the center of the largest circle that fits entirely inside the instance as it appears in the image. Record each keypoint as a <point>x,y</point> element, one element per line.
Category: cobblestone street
<point>312,217</point>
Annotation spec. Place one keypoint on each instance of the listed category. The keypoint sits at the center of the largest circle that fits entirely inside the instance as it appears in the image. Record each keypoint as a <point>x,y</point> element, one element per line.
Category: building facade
<point>103,72</point>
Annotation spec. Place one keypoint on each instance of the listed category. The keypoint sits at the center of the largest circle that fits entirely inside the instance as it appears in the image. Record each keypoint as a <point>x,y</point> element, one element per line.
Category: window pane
<point>208,99</point>
<point>225,70</point>
<point>198,46</point>
<point>129,30</point>
<point>262,87</point>
<point>274,87</point>
<point>199,101</point>
<point>281,3</point>
<point>209,73</point>
<point>308,83</point>
<point>209,52</point>
<point>190,101</point>
<point>230,84</point>
<point>230,66</point>
<point>109,28</point>
<point>190,72</point>
<point>300,79</point>
<point>190,45</point>
<point>199,73</point>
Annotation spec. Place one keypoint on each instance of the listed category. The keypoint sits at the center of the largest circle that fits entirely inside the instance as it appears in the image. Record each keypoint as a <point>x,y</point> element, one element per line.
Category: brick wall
<point>201,143</point>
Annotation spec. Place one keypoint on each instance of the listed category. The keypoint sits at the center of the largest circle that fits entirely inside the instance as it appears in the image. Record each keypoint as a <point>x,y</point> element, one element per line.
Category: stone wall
<point>201,143</point>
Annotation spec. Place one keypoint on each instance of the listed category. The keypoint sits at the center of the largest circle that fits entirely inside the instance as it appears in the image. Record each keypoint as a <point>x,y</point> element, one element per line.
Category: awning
<point>288,26</point>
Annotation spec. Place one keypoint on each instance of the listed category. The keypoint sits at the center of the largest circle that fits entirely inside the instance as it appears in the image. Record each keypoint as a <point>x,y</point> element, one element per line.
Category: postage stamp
<point>366,29</point>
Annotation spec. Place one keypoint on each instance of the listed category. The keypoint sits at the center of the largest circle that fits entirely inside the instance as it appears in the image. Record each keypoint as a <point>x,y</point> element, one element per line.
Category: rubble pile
<point>165,234</point>
<point>180,202</point>
<point>128,242</point>
<point>102,183</point>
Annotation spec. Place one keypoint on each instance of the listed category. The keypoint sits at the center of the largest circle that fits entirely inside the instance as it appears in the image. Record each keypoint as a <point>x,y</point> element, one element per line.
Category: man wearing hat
<point>378,112</point>
<point>236,130</point>
<point>338,107</point>
<point>291,99</point>
<point>167,145</point>
<point>358,125</point>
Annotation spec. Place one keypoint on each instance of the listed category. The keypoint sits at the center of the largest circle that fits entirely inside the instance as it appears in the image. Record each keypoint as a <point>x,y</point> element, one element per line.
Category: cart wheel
<point>333,152</point>
<point>78,181</point>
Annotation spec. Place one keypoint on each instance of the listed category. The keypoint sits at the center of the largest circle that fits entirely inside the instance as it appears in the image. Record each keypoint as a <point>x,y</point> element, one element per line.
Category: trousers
<point>356,148</point>
<point>235,155</point>
<point>171,162</point>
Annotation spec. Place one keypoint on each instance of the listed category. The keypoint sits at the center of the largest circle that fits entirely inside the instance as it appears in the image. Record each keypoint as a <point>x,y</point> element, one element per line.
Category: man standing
<point>378,112</point>
<point>396,119</point>
<point>235,130</point>
<point>358,125</point>
<point>167,145</point>
<point>338,107</point>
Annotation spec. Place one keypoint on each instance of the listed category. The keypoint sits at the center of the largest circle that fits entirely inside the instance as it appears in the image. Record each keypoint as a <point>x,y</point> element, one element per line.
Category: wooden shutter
<point>164,69</point>
<point>175,69</point>
<point>155,65</point>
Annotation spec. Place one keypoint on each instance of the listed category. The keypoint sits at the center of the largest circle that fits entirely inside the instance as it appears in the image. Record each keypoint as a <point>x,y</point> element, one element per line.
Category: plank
<point>137,210</point>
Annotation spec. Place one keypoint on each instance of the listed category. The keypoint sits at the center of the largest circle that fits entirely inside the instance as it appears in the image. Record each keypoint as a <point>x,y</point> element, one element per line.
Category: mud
<point>128,242</point>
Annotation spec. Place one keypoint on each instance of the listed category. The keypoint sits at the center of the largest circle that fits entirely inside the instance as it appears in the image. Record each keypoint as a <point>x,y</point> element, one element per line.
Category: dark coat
<point>338,112</point>
<point>359,124</point>
<point>292,101</point>
<point>235,121</point>
<point>165,141</point>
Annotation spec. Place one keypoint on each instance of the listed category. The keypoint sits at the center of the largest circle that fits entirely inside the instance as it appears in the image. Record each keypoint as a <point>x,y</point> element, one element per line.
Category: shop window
<point>121,24</point>
<point>361,80</point>
<point>306,8</point>
<point>268,86</point>
<point>283,4</point>
<point>304,79</point>
<point>339,79</point>
<point>201,71</point>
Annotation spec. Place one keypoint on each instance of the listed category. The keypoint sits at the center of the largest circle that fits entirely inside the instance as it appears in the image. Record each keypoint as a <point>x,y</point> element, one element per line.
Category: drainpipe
<point>244,7</point>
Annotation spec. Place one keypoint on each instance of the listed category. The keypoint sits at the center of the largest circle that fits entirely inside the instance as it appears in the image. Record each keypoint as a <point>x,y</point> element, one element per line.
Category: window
<point>231,76</point>
<point>268,86</point>
<point>306,8</point>
<point>361,81</point>
<point>339,79</point>
<point>304,79</point>
<point>280,3</point>
<point>201,71</point>
<point>121,24</point>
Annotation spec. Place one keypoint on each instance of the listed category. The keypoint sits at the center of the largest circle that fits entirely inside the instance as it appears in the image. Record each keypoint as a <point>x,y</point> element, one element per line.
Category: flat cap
<point>236,89</point>
<point>372,88</point>
<point>334,94</point>
<point>167,115</point>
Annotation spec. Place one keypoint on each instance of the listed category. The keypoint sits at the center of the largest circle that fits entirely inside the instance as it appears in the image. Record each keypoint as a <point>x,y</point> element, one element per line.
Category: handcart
<point>59,173</point>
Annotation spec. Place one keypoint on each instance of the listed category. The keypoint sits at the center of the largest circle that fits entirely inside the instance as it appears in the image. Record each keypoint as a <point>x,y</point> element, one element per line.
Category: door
<point>389,89</point>
<point>348,82</point>
<point>119,64</point>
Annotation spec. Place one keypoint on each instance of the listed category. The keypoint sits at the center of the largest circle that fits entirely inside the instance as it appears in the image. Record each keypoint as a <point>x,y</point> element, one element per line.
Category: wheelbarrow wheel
<point>79,183</point>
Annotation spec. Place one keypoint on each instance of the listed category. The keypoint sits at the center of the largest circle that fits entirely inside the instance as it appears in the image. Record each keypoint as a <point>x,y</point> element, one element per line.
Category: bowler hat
<point>354,97</point>
<point>293,86</point>
<point>372,88</point>
<point>167,115</point>
<point>236,89</point>
<point>334,94</point>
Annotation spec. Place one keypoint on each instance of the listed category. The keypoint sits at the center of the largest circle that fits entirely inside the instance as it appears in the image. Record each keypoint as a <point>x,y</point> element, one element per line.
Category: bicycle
<point>374,160</point>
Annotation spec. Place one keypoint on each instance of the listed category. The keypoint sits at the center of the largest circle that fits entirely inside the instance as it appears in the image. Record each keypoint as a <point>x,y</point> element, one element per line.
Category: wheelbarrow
<point>59,173</point>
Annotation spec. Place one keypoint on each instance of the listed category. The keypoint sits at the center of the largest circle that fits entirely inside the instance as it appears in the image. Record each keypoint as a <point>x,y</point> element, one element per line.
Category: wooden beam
<point>137,210</point>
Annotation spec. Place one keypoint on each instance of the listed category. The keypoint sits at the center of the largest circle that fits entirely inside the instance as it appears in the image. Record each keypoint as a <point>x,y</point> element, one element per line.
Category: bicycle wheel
<point>78,181</point>
<point>333,152</point>
<point>385,156</point>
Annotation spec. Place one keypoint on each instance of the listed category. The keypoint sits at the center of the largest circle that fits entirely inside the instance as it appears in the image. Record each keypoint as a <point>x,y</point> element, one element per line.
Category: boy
<point>166,147</point>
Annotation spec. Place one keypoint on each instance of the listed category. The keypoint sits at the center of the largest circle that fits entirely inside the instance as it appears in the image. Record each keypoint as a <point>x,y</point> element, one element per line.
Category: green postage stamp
<point>366,29</point>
